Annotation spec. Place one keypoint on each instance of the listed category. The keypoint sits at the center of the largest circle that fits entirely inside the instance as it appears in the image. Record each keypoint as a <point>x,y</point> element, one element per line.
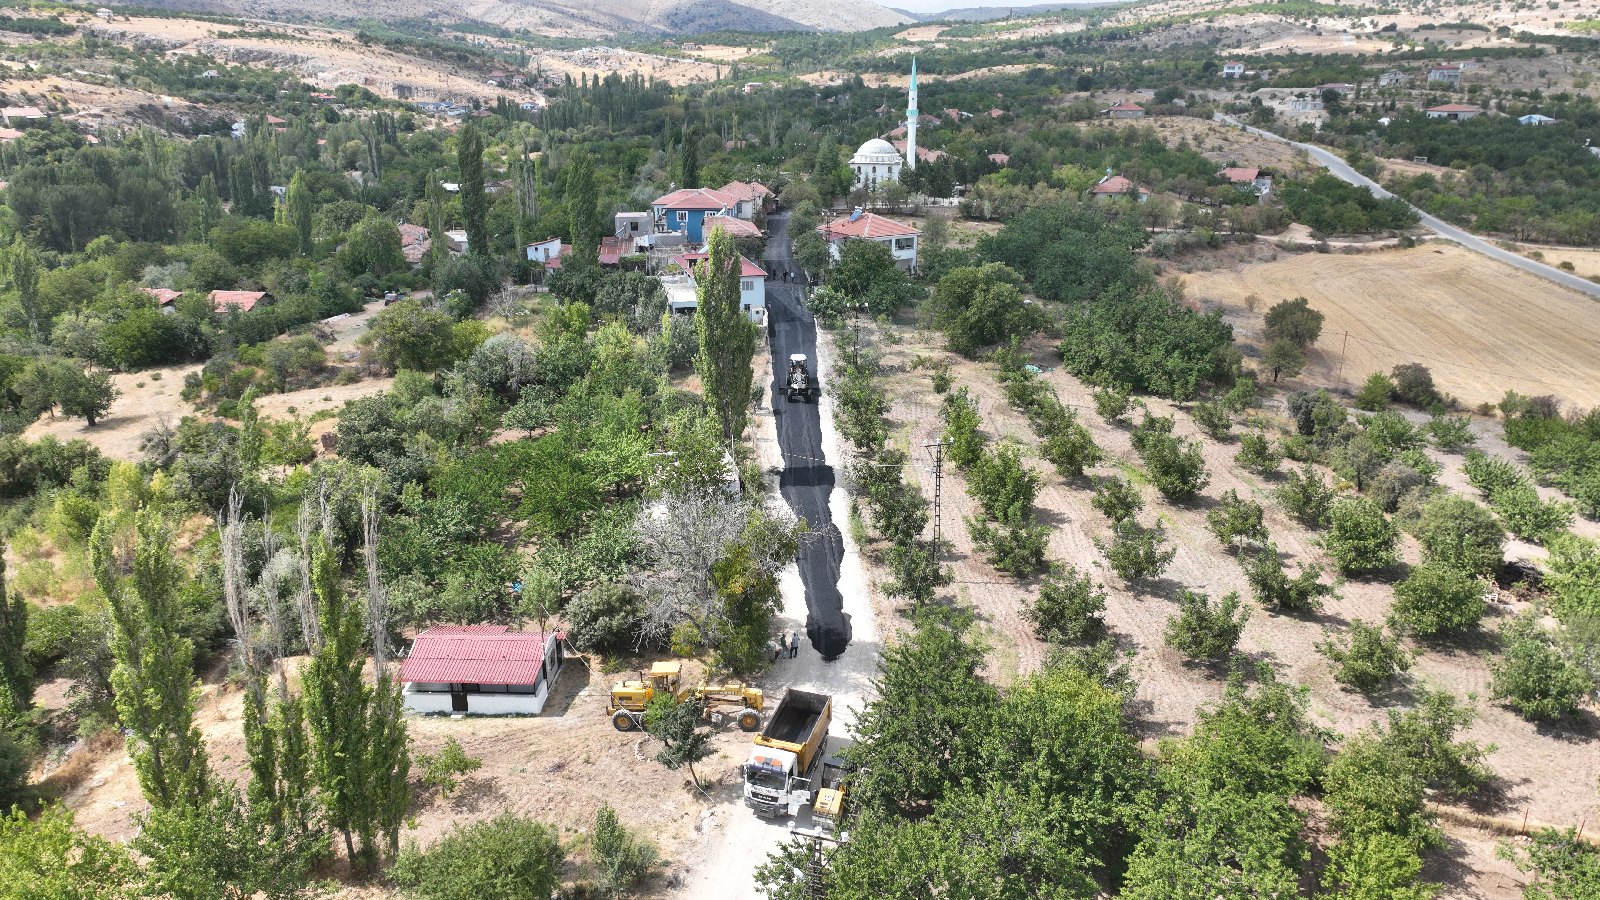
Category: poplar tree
<point>300,205</point>
<point>583,211</point>
<point>727,339</point>
<point>690,167</point>
<point>474,202</point>
<point>210,205</point>
<point>436,241</point>
<point>153,680</point>
<point>23,269</point>
<point>16,676</point>
<point>336,705</point>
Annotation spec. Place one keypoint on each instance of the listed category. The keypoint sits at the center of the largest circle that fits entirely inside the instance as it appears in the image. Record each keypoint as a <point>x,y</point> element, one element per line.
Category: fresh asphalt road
<point>807,480</point>
<point>1342,170</point>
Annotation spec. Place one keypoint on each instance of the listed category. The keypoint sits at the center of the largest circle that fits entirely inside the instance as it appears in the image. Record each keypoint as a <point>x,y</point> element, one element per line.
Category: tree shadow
<point>1451,865</point>
<point>477,795</point>
<point>1051,518</point>
<point>570,682</point>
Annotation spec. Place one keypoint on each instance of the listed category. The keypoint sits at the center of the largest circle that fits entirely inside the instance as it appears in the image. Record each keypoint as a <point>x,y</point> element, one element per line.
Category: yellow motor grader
<point>630,698</point>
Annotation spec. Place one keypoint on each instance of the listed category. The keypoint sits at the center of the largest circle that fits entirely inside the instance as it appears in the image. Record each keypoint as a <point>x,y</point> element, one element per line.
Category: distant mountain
<point>990,13</point>
<point>589,17</point>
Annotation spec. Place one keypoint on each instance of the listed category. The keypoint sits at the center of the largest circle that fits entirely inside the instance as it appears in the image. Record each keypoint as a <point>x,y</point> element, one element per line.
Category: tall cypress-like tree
<point>474,202</point>
<point>727,339</point>
<point>154,679</point>
<point>336,706</point>
<point>690,167</point>
<point>23,269</point>
<point>300,205</point>
<point>16,676</point>
<point>436,244</point>
<point>210,205</point>
<point>583,211</point>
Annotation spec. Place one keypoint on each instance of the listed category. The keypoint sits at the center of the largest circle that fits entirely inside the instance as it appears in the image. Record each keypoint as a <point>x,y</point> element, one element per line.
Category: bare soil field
<point>1231,146</point>
<point>1549,774</point>
<point>1585,262</point>
<point>1482,327</point>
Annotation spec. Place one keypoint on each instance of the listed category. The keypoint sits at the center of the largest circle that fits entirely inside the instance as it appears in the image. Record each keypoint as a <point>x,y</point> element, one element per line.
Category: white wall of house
<point>902,247</point>
<point>544,251</point>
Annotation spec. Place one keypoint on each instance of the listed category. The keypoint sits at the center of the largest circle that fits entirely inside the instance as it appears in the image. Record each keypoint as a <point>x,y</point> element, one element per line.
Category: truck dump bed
<point>795,717</point>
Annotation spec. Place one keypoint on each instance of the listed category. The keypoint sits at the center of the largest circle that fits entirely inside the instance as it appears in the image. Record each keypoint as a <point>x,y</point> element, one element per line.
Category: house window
<point>683,216</point>
<point>905,243</point>
<point>747,285</point>
<point>874,170</point>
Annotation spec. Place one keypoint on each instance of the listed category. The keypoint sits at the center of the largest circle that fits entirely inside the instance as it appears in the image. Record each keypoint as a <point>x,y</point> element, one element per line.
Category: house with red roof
<point>1455,112</point>
<point>1447,73</point>
<point>900,238</point>
<point>244,301</point>
<point>15,116</point>
<point>166,298</point>
<point>1124,110</point>
<point>685,210</point>
<point>733,226</point>
<point>415,242</point>
<point>481,670</point>
<point>747,197</point>
<point>1000,159</point>
<point>683,295</point>
<point>1113,186</point>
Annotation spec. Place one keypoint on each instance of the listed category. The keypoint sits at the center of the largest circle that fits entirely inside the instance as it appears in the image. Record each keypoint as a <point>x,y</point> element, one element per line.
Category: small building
<point>547,250</point>
<point>1233,69</point>
<point>683,292</point>
<point>748,197</point>
<point>483,670</point>
<point>518,80</point>
<point>1536,119</point>
<point>632,225</point>
<point>684,210</point>
<point>1393,78</point>
<point>1455,112</point>
<point>1301,104</point>
<point>274,120</point>
<point>900,238</point>
<point>415,243</point>
<point>1124,110</point>
<point>22,116</point>
<point>166,298</point>
<point>735,227</point>
<point>1338,87</point>
<point>104,13</point>
<point>1000,159</point>
<point>455,240</point>
<point>750,87</point>
<point>1446,74</point>
<point>996,113</point>
<point>7,135</point>
<point>613,249</point>
<point>244,301</point>
<point>1113,186</point>
<point>496,78</point>
<point>876,162</point>
<point>1239,174</point>
<point>211,73</point>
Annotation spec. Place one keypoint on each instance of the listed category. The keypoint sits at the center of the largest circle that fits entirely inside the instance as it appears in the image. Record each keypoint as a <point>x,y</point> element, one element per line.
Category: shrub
<point>1461,534</point>
<point>1534,676</point>
<point>1069,607</point>
<point>1149,429</point>
<point>1392,482</point>
<point>1366,659</point>
<point>1573,578</point>
<point>1491,475</point>
<point>1273,587</point>
<point>1234,520</point>
<point>1067,444</point>
<point>1360,538</point>
<point>1135,553</point>
<point>1293,320</point>
<point>51,633</point>
<point>960,415</point>
<point>439,770</point>
<point>1315,413</point>
<point>1015,545</point>
<point>1177,467</point>
<point>1451,432</point>
<point>1000,482</point>
<point>619,857</point>
<point>1425,738</point>
<point>1213,417</point>
<point>507,856</point>
<point>942,378</point>
<point>1413,385</point>
<point>1257,453</point>
<point>1530,518</point>
<point>1281,358</point>
<point>1206,630</point>
<point>1391,433</point>
<point>1116,499</point>
<point>1113,404</point>
<point>1306,497</point>
<point>1375,393</point>
<point>607,618</point>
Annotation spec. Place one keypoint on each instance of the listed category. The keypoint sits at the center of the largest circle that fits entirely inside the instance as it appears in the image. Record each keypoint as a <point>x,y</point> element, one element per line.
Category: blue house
<point>685,211</point>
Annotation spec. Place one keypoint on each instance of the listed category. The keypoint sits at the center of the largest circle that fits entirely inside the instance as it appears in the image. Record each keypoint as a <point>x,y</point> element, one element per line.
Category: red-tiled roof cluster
<point>1239,174</point>
<point>747,269</point>
<point>866,225</point>
<point>245,300</point>
<point>695,198</point>
<point>1116,184</point>
<point>476,654</point>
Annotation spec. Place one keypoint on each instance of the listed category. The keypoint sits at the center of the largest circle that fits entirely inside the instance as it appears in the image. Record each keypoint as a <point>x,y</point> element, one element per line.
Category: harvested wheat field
<point>1481,327</point>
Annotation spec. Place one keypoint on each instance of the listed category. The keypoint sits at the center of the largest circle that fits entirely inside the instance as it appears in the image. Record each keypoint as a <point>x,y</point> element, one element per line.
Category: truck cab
<point>772,786</point>
<point>781,771</point>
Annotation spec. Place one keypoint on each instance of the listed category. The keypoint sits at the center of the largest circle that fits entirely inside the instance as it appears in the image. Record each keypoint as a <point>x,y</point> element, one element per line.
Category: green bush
<point>1113,404</point>
<point>1234,520</point>
<point>1530,518</point>
<point>1365,658</point>
<point>1413,385</point>
<point>606,618</point>
<point>1135,553</point>
<point>959,413</point>
<point>1015,545</point>
<point>1177,467</point>
<point>507,856</point>
<point>1360,538</point>
<point>1573,578</point>
<point>1149,429</point>
<point>1451,432</point>
<point>1491,475</point>
<point>52,632</point>
<point>1534,676</point>
<point>1067,443</point>
<point>619,857</point>
<point>1375,393</point>
<point>1437,598</point>
<point>1306,496</point>
<point>1069,608</point>
<point>1272,586</point>
<point>1001,482</point>
<point>440,770</point>
<point>1206,630</point>
<point>1257,453</point>
<point>1461,534</point>
<point>1116,499</point>
<point>1213,418</point>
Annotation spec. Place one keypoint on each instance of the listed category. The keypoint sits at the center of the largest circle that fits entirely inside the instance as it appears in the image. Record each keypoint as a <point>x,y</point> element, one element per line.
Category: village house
<point>482,670</point>
<point>415,242</point>
<point>1247,178</point>
<point>1455,112</point>
<point>547,250</point>
<point>683,292</point>
<point>748,198</point>
<point>1233,69</point>
<point>1338,87</point>
<point>900,238</point>
<point>1536,119</point>
<point>1447,74</point>
<point>166,298</point>
<point>1124,110</point>
<point>685,210</point>
<point>1301,104</point>
<point>1113,186</point>
<point>244,301</point>
<point>1393,78</point>
<point>22,116</point>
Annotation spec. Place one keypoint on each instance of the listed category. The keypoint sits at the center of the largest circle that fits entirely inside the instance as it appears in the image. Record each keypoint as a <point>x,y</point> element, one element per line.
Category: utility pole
<point>1342,345</point>
<point>818,880</point>
<point>938,484</point>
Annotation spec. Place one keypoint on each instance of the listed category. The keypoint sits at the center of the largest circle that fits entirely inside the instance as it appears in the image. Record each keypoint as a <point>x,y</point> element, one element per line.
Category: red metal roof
<point>475,654</point>
<point>1001,158</point>
<point>1239,174</point>
<point>163,295</point>
<point>747,269</point>
<point>1116,184</point>
<point>867,225</point>
<point>695,198</point>
<point>1126,107</point>
<point>739,190</point>
<point>732,225</point>
<point>245,300</point>
<point>1454,108</point>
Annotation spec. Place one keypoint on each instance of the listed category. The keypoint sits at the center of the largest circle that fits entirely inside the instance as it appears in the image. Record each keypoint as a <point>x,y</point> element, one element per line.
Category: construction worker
<point>794,645</point>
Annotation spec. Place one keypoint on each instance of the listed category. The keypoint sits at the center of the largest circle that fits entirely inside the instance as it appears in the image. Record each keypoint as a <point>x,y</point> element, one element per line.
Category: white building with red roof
<point>1455,112</point>
<point>415,242</point>
<point>244,301</point>
<point>482,670</point>
<point>900,238</point>
<point>748,197</point>
<point>1113,186</point>
<point>685,210</point>
<point>683,292</point>
<point>733,226</point>
<point>1125,110</point>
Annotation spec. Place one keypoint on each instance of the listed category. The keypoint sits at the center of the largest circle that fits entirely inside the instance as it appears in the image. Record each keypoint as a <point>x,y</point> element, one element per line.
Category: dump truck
<point>780,776</point>
<point>801,383</point>
<point>630,698</point>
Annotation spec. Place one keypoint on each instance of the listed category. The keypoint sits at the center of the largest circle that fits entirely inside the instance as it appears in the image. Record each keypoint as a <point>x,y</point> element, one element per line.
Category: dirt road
<point>828,584</point>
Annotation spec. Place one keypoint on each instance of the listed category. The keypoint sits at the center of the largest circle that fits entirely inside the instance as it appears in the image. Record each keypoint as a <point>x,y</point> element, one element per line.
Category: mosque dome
<point>876,152</point>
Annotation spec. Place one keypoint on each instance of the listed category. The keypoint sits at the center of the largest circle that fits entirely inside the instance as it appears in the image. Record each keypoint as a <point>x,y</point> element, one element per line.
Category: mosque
<point>878,161</point>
